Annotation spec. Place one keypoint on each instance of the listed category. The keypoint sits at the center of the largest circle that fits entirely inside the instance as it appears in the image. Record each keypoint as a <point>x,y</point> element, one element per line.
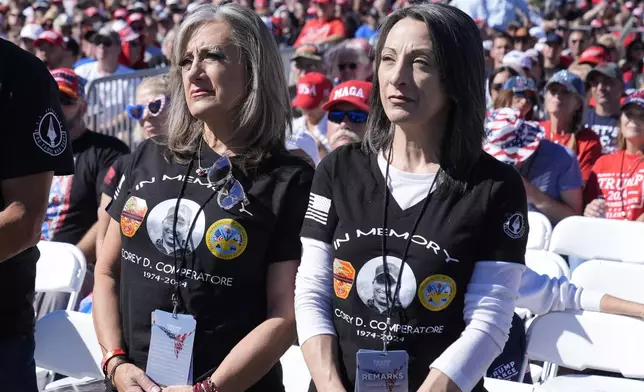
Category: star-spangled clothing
<point>318,209</point>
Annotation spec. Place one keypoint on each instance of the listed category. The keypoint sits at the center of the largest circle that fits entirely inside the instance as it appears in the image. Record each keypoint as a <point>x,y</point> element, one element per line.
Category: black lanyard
<point>385,266</point>
<point>176,296</point>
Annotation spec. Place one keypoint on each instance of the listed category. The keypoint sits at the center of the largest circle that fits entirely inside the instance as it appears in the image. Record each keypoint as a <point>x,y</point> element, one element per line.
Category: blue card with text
<point>379,371</point>
<point>171,342</point>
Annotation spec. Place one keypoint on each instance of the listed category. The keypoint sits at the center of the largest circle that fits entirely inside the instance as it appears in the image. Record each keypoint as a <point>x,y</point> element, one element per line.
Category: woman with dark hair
<point>414,242</point>
<point>497,80</point>
<point>196,274</point>
<point>564,100</point>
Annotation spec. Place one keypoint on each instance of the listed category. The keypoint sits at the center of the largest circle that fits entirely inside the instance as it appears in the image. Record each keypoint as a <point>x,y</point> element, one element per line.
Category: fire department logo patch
<point>343,277</point>
<point>132,215</point>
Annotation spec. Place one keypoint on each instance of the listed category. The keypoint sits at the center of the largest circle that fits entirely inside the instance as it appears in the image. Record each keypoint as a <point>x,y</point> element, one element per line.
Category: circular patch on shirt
<point>226,239</point>
<point>514,225</point>
<point>372,280</point>
<point>161,221</point>
<point>50,135</point>
<point>436,292</point>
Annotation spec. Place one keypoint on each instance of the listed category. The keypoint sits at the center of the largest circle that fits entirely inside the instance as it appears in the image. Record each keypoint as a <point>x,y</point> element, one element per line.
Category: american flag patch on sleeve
<point>318,208</point>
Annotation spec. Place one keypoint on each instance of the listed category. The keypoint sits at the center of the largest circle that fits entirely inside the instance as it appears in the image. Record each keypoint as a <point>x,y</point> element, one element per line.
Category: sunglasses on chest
<point>155,107</point>
<point>230,192</point>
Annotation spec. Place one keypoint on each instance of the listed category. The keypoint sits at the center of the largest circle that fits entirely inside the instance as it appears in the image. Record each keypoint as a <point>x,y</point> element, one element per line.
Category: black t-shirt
<point>486,223</point>
<point>74,199</point>
<point>223,281</point>
<point>35,141</point>
<point>114,174</point>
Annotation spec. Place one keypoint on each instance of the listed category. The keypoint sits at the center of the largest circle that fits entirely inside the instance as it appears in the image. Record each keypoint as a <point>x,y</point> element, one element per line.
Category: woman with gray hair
<point>226,201</point>
<point>419,194</point>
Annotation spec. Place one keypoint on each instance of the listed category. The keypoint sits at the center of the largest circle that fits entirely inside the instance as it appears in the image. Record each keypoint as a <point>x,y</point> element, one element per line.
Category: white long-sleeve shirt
<point>489,299</point>
<point>487,306</point>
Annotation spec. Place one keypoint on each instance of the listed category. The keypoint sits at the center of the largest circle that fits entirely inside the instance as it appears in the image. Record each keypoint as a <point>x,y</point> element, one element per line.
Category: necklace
<point>623,180</point>
<point>201,172</point>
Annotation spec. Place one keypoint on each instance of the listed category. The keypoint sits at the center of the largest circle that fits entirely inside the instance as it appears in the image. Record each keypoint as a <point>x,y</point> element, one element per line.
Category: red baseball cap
<point>127,34</point>
<point>69,83</point>
<point>594,55</point>
<point>135,17</point>
<point>120,13</point>
<point>354,92</point>
<point>52,37</point>
<point>312,89</point>
<point>91,11</point>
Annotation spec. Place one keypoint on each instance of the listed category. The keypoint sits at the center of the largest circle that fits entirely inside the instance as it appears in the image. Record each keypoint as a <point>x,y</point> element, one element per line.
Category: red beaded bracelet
<point>205,386</point>
<point>114,353</point>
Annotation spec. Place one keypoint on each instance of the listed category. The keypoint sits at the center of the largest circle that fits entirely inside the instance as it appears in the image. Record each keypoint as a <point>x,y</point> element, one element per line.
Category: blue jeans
<point>17,365</point>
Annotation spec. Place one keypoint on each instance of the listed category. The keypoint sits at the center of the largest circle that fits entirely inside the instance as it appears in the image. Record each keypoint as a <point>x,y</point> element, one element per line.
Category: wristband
<point>110,378</point>
<point>114,353</point>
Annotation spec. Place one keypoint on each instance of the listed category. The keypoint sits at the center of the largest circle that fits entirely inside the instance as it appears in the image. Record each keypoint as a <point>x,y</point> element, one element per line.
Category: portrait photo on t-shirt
<point>371,284</point>
<point>162,219</point>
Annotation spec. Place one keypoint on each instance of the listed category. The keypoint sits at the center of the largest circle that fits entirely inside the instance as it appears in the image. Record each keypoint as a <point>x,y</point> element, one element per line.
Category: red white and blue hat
<point>69,82</point>
<point>511,139</point>
<point>518,84</point>
<point>636,98</point>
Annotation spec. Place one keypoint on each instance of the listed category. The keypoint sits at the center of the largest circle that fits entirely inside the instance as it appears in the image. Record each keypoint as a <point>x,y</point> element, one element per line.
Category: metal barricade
<point>287,52</point>
<point>107,99</point>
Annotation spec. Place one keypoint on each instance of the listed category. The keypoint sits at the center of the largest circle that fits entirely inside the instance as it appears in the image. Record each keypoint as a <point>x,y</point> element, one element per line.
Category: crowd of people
<point>248,198</point>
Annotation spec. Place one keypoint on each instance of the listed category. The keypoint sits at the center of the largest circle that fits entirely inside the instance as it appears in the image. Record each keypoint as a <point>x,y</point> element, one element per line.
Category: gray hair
<point>459,55</point>
<point>158,84</point>
<point>263,118</point>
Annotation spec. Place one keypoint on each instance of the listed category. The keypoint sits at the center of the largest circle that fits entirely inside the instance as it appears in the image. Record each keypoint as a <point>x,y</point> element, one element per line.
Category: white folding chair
<point>623,280</point>
<point>540,230</point>
<point>60,268</point>
<point>546,263</point>
<point>66,343</point>
<point>296,376</point>
<point>494,385</point>
<point>594,238</point>
<point>589,340</point>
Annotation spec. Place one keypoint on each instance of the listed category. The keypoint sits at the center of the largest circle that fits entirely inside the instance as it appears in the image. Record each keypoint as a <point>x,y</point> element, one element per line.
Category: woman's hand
<point>178,388</point>
<point>129,378</point>
<point>438,381</point>
<point>596,208</point>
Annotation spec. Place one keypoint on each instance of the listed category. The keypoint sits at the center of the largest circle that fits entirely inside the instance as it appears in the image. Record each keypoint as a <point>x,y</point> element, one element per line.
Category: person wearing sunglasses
<point>347,112</point>
<point>107,44</point>
<point>132,47</point>
<point>349,61</point>
<point>73,200</point>
<point>519,92</point>
<point>151,112</point>
<point>212,211</point>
